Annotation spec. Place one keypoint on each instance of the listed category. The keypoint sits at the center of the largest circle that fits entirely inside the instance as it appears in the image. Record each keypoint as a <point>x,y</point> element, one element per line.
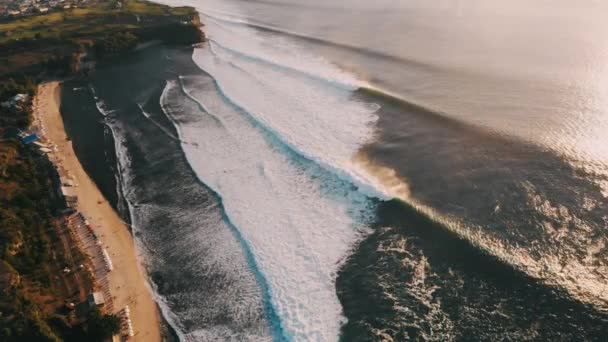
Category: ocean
<point>363,171</point>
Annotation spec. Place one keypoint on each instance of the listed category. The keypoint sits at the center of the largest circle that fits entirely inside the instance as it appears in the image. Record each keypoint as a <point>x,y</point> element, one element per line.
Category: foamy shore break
<point>113,252</point>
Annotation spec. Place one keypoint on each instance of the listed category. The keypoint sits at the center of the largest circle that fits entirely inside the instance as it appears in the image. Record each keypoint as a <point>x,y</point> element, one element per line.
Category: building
<point>28,138</point>
<point>15,101</point>
<point>95,299</point>
<point>70,198</point>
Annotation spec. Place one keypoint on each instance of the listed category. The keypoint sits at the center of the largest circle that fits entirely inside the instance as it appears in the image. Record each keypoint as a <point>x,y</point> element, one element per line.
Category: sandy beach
<point>126,281</point>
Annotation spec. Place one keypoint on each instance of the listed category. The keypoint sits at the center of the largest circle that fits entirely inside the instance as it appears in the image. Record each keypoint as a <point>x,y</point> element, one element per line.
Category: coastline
<point>127,283</point>
<point>165,221</point>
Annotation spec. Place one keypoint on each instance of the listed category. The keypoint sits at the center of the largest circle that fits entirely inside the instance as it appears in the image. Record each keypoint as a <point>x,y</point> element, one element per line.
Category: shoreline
<point>127,283</point>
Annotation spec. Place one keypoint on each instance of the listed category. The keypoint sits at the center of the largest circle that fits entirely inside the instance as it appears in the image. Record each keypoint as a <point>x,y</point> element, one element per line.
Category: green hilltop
<point>51,41</point>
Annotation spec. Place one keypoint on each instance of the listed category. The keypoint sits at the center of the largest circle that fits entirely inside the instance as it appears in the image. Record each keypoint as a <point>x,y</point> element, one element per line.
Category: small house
<point>95,299</point>
<point>29,138</point>
<point>15,100</point>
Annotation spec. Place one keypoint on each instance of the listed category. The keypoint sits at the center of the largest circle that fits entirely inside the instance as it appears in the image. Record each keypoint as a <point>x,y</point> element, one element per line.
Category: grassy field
<point>28,42</point>
<point>89,21</point>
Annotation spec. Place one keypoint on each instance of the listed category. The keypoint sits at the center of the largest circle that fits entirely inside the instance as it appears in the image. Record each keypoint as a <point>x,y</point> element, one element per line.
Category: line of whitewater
<point>274,320</point>
<point>365,51</point>
<point>358,85</point>
<point>282,67</point>
<point>122,161</point>
<point>372,191</point>
<point>200,105</point>
<point>163,129</point>
<point>122,174</point>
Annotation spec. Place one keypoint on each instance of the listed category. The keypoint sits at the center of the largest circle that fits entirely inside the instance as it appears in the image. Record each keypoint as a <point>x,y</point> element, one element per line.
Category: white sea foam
<point>123,178</point>
<point>283,54</point>
<point>275,137</point>
<point>321,122</point>
<point>219,254</point>
<point>298,220</point>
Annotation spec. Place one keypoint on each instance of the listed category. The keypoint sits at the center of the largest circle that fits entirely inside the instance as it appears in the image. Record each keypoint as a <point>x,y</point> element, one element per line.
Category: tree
<point>101,327</point>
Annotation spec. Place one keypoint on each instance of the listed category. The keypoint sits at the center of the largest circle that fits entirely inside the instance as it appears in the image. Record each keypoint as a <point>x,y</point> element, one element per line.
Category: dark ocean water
<point>287,181</point>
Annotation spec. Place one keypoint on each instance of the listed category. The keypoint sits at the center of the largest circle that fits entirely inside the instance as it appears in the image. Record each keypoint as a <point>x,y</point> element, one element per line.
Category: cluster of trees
<point>62,64</point>
<point>115,44</point>
<point>170,33</point>
<point>29,210</point>
<point>14,86</point>
<point>25,222</point>
<point>30,324</point>
<point>26,215</point>
<point>174,33</point>
<point>19,116</point>
<point>97,327</point>
<point>58,50</point>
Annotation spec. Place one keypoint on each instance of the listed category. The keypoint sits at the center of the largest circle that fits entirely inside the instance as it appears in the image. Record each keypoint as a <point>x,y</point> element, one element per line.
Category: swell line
<point>418,108</point>
<point>322,41</point>
<point>278,66</point>
<point>278,139</point>
<point>201,106</point>
<point>361,86</point>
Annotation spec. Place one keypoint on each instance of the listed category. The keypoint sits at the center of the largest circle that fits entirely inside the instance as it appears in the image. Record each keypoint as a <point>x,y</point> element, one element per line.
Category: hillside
<point>56,41</point>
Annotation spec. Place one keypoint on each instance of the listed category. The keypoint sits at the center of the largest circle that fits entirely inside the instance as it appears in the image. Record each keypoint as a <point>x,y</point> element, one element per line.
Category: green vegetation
<point>19,116</point>
<point>56,41</point>
<point>99,327</point>
<point>11,87</point>
<point>33,288</point>
<point>99,19</point>
<point>27,204</point>
<point>30,256</point>
<point>26,222</point>
<point>112,44</point>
